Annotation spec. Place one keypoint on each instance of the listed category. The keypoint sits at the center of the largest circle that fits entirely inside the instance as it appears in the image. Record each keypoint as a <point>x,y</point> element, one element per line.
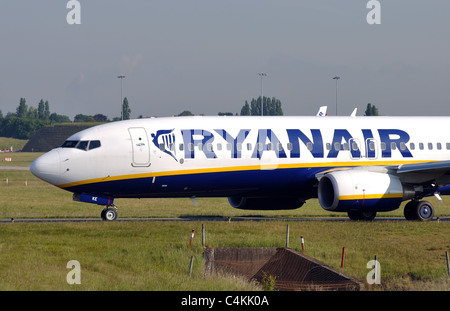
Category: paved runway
<point>199,218</point>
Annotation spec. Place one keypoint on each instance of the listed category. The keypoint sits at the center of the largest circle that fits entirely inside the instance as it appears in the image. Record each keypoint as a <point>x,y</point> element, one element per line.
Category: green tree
<point>100,118</point>
<point>41,110</point>
<point>57,118</point>
<point>83,118</point>
<point>126,109</point>
<point>27,120</point>
<point>371,110</point>
<point>245,111</point>
<point>32,113</point>
<point>46,110</point>
<point>255,107</point>
<point>186,113</point>
<point>22,109</point>
<point>21,128</point>
<point>271,107</point>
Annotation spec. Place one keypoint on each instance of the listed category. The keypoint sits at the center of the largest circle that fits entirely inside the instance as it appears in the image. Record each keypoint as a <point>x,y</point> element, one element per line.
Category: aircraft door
<point>140,147</point>
<point>355,148</point>
<point>371,148</point>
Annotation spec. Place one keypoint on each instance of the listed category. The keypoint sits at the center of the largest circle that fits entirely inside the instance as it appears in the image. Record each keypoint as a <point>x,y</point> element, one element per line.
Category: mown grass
<point>113,256</point>
<point>7,142</point>
<point>148,255</point>
<point>23,159</point>
<point>156,255</point>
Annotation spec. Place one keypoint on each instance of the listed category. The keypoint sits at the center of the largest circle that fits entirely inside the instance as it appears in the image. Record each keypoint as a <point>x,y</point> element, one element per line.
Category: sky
<point>205,55</point>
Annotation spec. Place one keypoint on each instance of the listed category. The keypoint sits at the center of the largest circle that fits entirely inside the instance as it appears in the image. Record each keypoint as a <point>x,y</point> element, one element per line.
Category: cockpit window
<point>82,145</point>
<point>70,144</point>
<point>94,144</point>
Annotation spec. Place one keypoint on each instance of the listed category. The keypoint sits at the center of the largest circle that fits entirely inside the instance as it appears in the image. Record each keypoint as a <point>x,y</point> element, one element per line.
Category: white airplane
<point>358,165</point>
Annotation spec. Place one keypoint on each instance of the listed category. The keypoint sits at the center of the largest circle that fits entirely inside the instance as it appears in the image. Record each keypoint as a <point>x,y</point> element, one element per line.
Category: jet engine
<point>266,203</point>
<point>361,190</point>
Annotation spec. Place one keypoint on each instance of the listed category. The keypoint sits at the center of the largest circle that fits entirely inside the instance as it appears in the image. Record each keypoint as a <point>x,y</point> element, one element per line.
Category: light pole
<point>336,78</point>
<point>121,97</point>
<point>262,74</point>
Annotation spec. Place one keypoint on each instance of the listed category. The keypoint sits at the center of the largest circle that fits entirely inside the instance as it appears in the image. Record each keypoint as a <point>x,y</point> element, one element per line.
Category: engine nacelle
<point>266,203</point>
<point>350,190</point>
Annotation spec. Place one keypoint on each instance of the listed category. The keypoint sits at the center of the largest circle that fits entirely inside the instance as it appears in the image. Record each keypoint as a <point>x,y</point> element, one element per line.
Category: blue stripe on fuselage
<point>292,181</point>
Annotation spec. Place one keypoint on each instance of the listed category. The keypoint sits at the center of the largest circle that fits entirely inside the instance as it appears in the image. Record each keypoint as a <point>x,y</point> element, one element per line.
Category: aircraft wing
<point>438,166</point>
<point>436,172</point>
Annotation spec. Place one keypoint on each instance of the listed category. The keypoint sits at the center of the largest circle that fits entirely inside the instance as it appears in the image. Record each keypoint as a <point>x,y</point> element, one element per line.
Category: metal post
<point>191,265</point>
<point>287,236</point>
<point>448,266</point>
<point>262,74</point>
<point>336,78</point>
<point>192,236</point>
<point>203,235</point>
<point>121,97</point>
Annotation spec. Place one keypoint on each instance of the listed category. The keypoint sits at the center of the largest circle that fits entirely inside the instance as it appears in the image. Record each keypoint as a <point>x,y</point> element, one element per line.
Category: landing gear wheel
<point>362,215</point>
<point>425,211</point>
<point>410,210</point>
<point>109,214</point>
<point>419,210</point>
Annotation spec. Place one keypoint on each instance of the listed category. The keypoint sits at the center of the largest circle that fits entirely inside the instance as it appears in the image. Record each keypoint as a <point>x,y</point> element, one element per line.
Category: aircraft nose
<point>47,167</point>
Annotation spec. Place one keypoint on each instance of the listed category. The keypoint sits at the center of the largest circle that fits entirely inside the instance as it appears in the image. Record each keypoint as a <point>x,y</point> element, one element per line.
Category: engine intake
<point>349,190</point>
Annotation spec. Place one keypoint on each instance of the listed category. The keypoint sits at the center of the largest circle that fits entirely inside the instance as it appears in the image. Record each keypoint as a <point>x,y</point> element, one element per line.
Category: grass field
<point>147,255</point>
<point>17,144</point>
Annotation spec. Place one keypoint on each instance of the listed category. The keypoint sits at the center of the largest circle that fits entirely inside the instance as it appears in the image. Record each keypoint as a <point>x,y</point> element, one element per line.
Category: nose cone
<point>47,167</point>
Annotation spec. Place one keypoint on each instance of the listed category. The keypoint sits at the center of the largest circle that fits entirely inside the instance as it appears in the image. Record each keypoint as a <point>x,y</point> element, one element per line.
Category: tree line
<point>271,107</point>
<point>27,120</point>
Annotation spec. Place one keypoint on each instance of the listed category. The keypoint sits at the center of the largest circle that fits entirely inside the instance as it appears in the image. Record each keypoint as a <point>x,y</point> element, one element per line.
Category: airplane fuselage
<point>238,156</point>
